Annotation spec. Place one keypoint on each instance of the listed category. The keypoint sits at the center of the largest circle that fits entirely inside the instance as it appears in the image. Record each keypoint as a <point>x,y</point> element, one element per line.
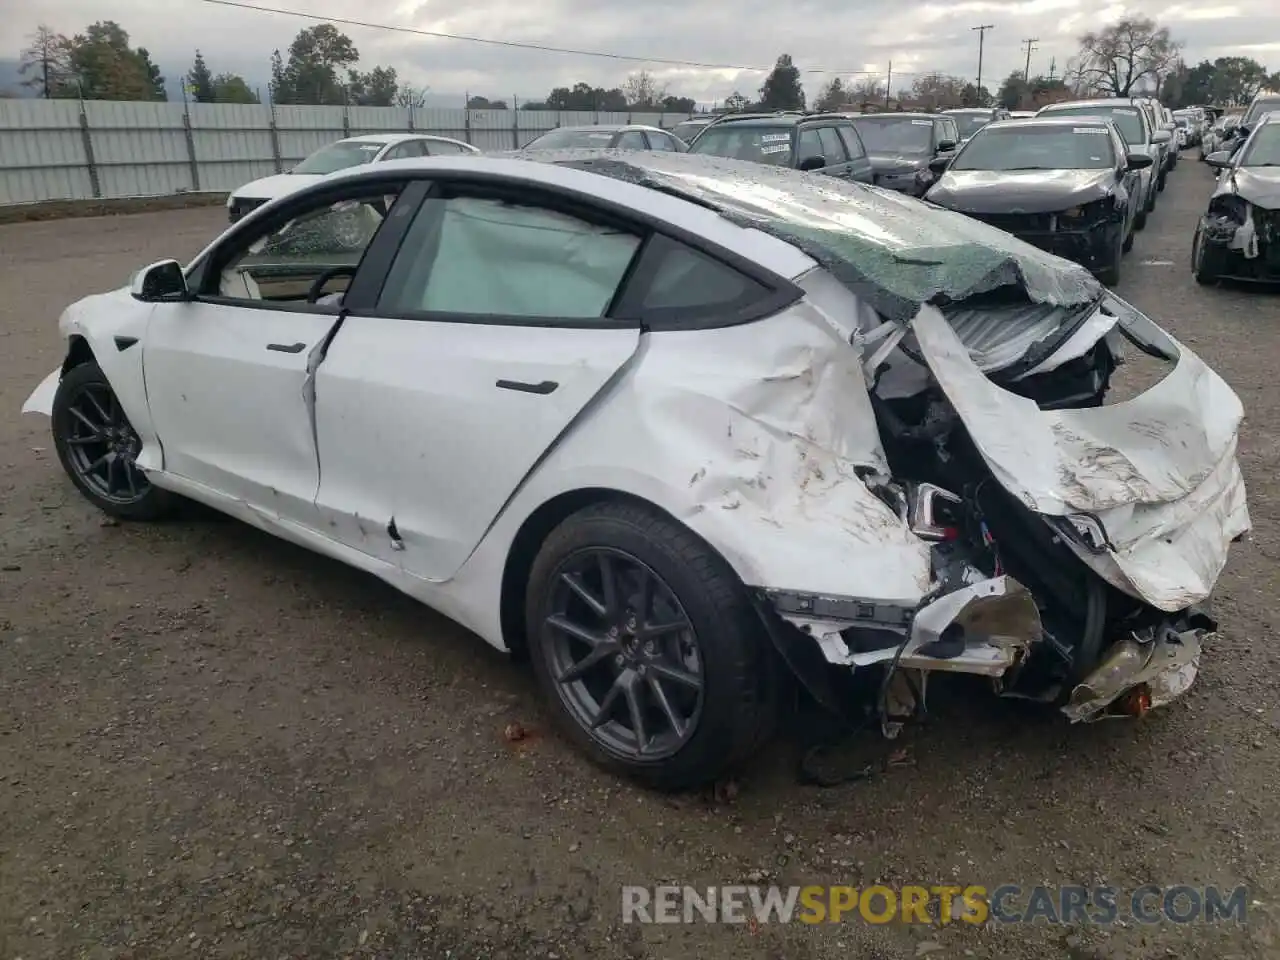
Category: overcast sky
<point>836,37</point>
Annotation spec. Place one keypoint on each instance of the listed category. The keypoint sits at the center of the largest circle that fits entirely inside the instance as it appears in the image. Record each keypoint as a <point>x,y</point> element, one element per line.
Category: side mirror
<point>814,162</point>
<point>1219,159</point>
<point>939,164</point>
<point>1137,161</point>
<point>161,282</point>
<point>1160,136</point>
<point>946,146</point>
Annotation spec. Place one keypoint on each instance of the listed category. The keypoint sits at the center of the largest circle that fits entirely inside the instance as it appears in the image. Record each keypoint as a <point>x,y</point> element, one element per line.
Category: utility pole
<point>982,35</point>
<point>888,85</point>
<point>1053,68</point>
<point>1030,43</point>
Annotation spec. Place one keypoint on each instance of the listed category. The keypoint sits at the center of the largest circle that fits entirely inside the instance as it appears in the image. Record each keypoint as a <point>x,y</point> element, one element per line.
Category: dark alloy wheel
<point>655,662</point>
<point>624,655</point>
<point>1205,261</point>
<point>98,447</point>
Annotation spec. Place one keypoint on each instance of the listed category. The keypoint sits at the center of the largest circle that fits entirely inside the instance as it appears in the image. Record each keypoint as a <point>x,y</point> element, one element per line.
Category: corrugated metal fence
<point>95,149</point>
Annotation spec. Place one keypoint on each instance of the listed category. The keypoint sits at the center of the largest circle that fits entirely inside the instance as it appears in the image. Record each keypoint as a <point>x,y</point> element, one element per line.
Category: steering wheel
<point>317,285</point>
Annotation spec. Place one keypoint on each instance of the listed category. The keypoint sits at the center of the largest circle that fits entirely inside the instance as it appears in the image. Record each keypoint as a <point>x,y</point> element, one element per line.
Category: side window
<point>410,148</point>
<point>832,147</point>
<point>493,258</point>
<point>441,148</point>
<point>673,277</point>
<point>281,262</point>
<point>632,140</point>
<point>810,145</point>
<point>660,141</point>
<point>852,142</point>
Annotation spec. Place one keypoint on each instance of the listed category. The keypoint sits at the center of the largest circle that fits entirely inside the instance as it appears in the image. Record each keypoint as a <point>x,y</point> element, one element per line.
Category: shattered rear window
<point>893,251</point>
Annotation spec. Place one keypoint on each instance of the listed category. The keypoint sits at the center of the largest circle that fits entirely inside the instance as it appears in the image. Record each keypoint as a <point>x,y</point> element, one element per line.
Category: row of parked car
<point>1078,178</point>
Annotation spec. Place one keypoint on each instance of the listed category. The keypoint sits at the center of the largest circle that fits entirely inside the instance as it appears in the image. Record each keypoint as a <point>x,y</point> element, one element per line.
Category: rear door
<point>834,150</point>
<point>859,162</point>
<point>441,390</point>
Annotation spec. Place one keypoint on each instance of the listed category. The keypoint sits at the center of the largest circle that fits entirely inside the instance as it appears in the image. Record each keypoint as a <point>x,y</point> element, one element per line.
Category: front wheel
<point>98,447</point>
<point>1204,261</point>
<point>647,646</point>
<point>1110,274</point>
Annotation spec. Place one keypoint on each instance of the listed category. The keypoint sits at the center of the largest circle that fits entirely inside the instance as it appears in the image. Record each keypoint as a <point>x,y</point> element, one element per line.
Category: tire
<point>1204,266</point>
<point>1128,241</point>
<point>1140,219</point>
<point>725,720</point>
<point>1160,181</point>
<point>1110,274</point>
<point>101,462</point>
<point>1151,200</point>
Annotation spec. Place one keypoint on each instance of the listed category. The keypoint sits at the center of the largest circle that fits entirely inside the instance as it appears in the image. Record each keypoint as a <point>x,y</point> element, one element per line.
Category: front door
<point>490,336</point>
<point>229,373</point>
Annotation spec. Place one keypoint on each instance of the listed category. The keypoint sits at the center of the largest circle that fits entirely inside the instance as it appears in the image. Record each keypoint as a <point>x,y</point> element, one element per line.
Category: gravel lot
<point>215,744</point>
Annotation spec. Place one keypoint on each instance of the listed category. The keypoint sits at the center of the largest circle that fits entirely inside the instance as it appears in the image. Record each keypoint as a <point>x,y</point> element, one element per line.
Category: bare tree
<point>642,90</point>
<point>45,62</point>
<point>1115,59</point>
<point>867,89</point>
<point>411,97</point>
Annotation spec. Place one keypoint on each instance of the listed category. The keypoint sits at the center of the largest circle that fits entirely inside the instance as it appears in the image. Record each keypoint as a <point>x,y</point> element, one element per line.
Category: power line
<point>518,44</point>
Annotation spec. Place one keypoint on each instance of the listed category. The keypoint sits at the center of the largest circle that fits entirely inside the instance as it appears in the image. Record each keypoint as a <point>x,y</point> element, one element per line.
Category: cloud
<point>825,37</point>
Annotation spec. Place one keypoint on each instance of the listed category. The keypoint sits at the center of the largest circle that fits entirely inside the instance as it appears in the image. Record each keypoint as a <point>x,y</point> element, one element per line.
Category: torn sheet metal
<point>890,250</point>
<point>41,399</point>
<point>1158,472</point>
<point>1167,665</point>
<point>999,618</point>
<point>1245,239</point>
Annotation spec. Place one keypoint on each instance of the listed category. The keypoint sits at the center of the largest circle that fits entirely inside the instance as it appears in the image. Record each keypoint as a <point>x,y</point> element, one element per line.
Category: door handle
<point>543,388</point>
<point>286,347</point>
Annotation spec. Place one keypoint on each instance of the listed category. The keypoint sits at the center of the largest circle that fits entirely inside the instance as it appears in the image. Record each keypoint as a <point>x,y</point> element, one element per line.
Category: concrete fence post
<point>275,142</point>
<point>191,147</point>
<point>86,137</point>
<point>466,130</point>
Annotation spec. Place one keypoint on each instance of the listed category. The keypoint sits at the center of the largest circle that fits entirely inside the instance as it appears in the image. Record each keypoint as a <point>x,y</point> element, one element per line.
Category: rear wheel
<point>647,646</point>
<point>98,447</point>
<point>1140,220</point>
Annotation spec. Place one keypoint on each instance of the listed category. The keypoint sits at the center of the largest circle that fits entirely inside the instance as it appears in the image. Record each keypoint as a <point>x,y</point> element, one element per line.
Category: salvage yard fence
<point>104,150</point>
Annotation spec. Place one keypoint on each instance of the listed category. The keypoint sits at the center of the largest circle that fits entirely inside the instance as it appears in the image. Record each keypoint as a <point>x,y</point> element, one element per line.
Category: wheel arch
<point>79,352</point>
<point>533,533</point>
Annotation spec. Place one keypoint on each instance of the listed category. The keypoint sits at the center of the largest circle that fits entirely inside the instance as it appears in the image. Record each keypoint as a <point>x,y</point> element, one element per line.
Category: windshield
<point>1260,107</point>
<point>1037,148</point>
<point>1264,148</point>
<point>569,138</point>
<point>895,134</point>
<point>740,142</point>
<point>1128,119</point>
<point>339,156</point>
<point>970,123</point>
<point>688,130</point>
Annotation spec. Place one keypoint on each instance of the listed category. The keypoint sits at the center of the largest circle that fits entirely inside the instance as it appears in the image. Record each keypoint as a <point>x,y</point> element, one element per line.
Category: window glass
<point>1056,147</point>
<point>410,148</point>
<point>810,145</point>
<point>660,141</point>
<point>339,156</point>
<point>688,279</point>
<point>473,255</point>
<point>1128,119</point>
<point>442,148</point>
<point>744,141</point>
<point>632,140</point>
<point>832,148</point>
<point>1264,147</point>
<point>852,142</point>
<point>281,264</point>
<point>571,138</point>
<point>896,135</point>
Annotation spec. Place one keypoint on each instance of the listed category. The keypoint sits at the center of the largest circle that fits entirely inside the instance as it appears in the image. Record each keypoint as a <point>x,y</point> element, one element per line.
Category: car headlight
<point>1088,212</point>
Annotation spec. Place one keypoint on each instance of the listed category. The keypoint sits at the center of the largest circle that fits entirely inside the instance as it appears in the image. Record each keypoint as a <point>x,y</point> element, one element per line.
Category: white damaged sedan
<point>666,423</point>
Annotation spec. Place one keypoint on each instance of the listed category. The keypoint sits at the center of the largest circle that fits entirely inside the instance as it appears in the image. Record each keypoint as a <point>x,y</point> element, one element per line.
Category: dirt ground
<point>213,744</point>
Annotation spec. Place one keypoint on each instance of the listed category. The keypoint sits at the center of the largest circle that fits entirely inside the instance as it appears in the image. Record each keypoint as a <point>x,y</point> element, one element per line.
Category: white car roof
<point>389,138</point>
